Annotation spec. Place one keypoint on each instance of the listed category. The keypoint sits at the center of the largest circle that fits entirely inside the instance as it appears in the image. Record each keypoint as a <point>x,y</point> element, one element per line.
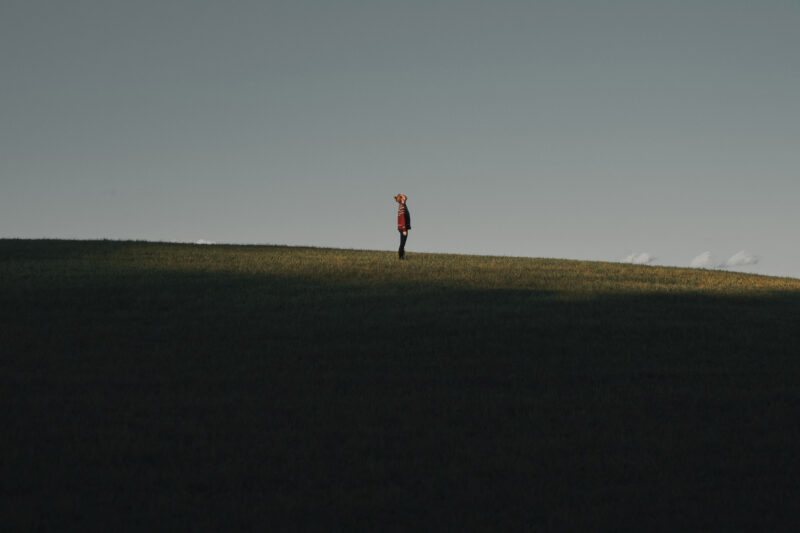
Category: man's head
<point>400,198</point>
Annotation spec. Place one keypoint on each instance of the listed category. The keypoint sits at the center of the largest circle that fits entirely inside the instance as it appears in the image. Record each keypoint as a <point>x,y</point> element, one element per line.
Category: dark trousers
<point>401,253</point>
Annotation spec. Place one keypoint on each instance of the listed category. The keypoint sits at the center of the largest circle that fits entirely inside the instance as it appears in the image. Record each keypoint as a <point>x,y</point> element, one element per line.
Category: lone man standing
<point>403,224</point>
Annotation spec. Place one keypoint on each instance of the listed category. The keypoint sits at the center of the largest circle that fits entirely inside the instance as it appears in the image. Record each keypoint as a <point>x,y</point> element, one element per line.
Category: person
<point>403,224</point>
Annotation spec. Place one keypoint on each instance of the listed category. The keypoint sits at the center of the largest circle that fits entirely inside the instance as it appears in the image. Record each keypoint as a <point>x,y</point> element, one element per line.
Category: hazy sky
<point>578,129</point>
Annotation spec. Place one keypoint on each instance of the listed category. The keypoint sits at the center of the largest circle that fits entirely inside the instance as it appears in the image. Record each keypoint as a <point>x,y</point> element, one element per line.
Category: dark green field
<point>152,386</point>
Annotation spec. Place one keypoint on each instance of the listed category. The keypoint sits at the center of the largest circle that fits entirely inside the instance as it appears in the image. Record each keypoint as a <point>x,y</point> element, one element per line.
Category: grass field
<point>160,386</point>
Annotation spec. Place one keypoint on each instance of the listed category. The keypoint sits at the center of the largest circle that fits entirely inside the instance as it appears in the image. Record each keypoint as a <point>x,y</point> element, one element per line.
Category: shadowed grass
<point>257,387</point>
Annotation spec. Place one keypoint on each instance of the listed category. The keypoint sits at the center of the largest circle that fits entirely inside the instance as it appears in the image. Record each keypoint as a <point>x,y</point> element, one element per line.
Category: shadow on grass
<point>48,249</point>
<point>220,401</point>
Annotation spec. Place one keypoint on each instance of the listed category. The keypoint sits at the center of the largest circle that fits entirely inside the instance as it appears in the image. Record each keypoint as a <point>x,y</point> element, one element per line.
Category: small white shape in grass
<point>741,258</point>
<point>203,241</point>
<point>704,260</point>
<point>640,258</point>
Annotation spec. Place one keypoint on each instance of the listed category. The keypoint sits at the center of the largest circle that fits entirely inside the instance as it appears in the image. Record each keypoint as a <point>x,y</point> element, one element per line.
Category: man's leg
<point>401,253</point>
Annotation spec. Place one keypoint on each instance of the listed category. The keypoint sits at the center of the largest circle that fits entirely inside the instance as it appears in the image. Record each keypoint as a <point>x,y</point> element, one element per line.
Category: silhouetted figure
<point>403,224</point>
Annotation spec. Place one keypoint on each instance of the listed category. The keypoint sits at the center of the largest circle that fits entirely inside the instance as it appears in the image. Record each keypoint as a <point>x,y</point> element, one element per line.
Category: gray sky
<point>572,128</point>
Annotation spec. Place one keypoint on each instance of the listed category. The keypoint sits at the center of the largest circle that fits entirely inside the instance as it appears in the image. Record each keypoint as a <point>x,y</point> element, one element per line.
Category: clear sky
<point>567,128</point>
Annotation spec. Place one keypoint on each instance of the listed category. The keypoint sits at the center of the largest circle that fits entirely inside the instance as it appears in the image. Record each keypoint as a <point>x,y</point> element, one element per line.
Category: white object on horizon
<point>203,241</point>
<point>741,258</point>
<point>704,260</point>
<point>640,258</point>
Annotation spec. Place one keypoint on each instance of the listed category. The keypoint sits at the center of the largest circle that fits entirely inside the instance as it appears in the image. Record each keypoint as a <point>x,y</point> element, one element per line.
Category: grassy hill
<point>165,386</point>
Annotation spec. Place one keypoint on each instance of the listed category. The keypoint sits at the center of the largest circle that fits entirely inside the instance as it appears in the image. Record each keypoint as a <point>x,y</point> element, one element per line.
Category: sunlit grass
<point>568,278</point>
